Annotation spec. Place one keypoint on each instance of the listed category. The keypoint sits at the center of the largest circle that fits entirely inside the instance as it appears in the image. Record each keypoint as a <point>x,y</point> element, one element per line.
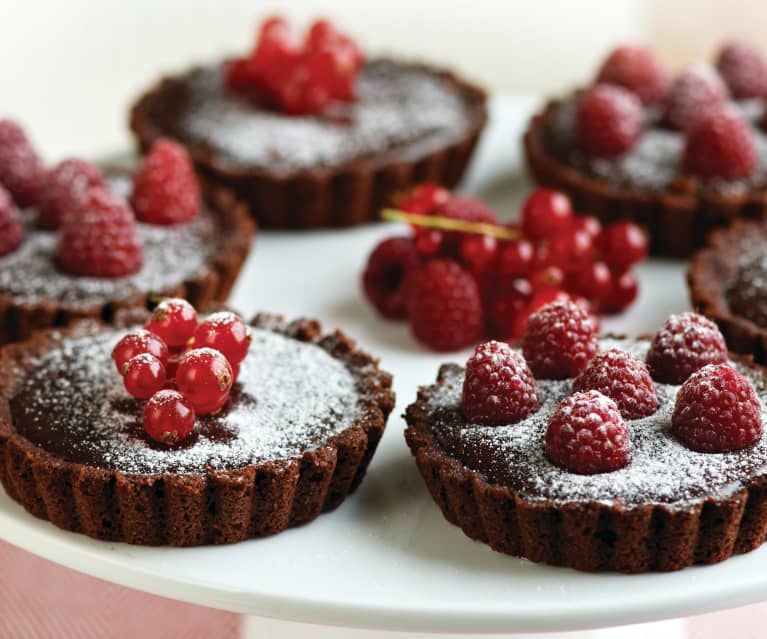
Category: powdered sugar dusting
<point>661,470</point>
<point>395,106</point>
<point>289,398</point>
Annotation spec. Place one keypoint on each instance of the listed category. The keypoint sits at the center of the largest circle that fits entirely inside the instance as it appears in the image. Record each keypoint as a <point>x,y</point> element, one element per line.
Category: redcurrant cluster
<point>505,272</point>
<point>298,77</point>
<point>184,368</point>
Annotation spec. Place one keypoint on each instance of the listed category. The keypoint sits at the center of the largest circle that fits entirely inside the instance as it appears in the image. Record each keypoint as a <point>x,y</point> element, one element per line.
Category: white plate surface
<point>386,559</point>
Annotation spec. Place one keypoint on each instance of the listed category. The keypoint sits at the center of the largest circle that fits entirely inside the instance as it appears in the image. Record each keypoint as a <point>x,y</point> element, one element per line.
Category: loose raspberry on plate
<point>99,238</point>
<point>545,214</point>
<point>684,344</point>
<point>622,377</point>
<point>743,69</point>
<point>609,120</point>
<point>717,411</point>
<point>11,228</point>
<point>65,186</point>
<point>637,69</point>
<point>21,170</point>
<point>165,188</point>
<point>560,340</point>
<point>445,308</point>
<point>168,417</point>
<point>499,387</point>
<point>174,320</point>
<point>587,435</point>
<point>698,89</point>
<point>386,277</point>
<point>720,144</point>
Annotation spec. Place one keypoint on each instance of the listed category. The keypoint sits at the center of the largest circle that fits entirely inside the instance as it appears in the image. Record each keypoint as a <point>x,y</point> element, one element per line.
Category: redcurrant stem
<point>450,224</point>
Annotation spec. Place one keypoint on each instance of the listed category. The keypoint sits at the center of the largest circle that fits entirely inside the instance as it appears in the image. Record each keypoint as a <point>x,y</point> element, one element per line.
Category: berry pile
<point>96,228</point>
<point>632,89</point>
<point>297,77</point>
<point>716,408</point>
<point>182,367</point>
<point>462,275</point>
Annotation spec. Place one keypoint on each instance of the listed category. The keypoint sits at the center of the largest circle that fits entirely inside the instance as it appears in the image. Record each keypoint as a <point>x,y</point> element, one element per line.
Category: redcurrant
<point>204,377</point>
<point>624,292</point>
<point>135,343</point>
<point>143,375</point>
<point>428,242</point>
<point>594,282</point>
<point>515,258</point>
<point>168,417</point>
<point>424,199</point>
<point>546,213</point>
<point>478,251</point>
<point>226,333</point>
<point>173,320</point>
<point>623,244</point>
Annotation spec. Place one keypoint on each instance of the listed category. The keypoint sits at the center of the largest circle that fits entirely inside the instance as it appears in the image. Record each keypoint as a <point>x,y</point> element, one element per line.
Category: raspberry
<point>99,238</point>
<point>135,343</point>
<point>545,214</point>
<point>587,435</point>
<point>720,144</point>
<point>609,120</point>
<point>165,188</point>
<point>623,244</point>
<point>743,69</point>
<point>11,228</point>
<point>684,344</point>
<point>168,418</point>
<point>387,276</point>
<point>143,376</point>
<point>173,320</point>
<point>636,69</point>
<point>65,187</point>
<point>21,170</point>
<point>445,307</point>
<point>204,377</point>
<point>622,377</point>
<point>697,89</point>
<point>560,340</point>
<point>717,411</point>
<point>499,387</point>
<point>226,333</point>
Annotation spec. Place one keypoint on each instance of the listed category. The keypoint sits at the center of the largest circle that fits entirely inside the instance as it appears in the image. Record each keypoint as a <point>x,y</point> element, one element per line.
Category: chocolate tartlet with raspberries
<point>728,284</point>
<point>680,157</point>
<point>310,134</point>
<point>290,434</point>
<point>77,241</point>
<point>630,455</point>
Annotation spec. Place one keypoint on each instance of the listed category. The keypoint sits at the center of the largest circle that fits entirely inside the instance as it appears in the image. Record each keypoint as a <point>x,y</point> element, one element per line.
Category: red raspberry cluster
<point>96,228</point>
<point>184,368</point>
<point>716,407</point>
<point>297,77</point>
<point>456,286</point>
<point>719,143</point>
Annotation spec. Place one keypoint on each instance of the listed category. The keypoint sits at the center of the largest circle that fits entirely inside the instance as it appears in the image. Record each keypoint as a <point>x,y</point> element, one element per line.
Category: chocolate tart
<point>728,283</point>
<point>643,185</point>
<point>199,260</point>
<point>669,508</point>
<point>295,438</point>
<point>410,123</point>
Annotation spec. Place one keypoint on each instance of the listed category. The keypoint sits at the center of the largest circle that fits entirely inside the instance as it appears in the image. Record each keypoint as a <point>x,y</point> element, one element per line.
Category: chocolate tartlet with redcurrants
<point>208,432</point>
<point>680,156</point>
<point>461,275</point>
<point>631,455</point>
<point>728,284</point>
<point>311,134</point>
<point>76,241</point>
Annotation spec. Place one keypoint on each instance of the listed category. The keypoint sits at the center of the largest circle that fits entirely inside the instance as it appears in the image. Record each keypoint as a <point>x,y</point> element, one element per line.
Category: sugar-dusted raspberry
<point>168,417</point>
<point>684,344</point>
<point>11,228</point>
<point>499,387</point>
<point>165,188</point>
<point>65,187</point>
<point>717,411</point>
<point>445,308</point>
<point>99,239</point>
<point>386,277</point>
<point>22,171</point>
<point>587,435</point>
<point>622,377</point>
<point>637,69</point>
<point>697,89</point>
<point>720,144</point>
<point>609,120</point>
<point>560,340</point>
<point>743,69</point>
